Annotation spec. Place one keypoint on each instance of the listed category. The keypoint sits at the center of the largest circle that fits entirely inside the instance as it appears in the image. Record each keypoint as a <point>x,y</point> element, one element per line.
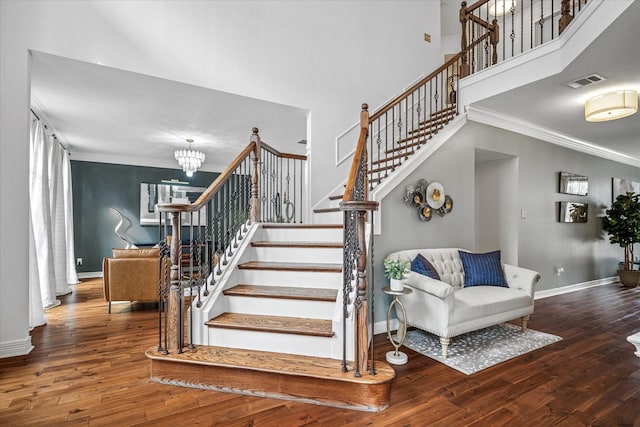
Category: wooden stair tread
<point>291,266</point>
<point>405,147</point>
<point>277,324</point>
<point>326,210</point>
<point>326,245</point>
<point>336,197</point>
<point>384,168</point>
<point>390,158</point>
<point>306,226</point>
<point>285,292</point>
<point>265,361</point>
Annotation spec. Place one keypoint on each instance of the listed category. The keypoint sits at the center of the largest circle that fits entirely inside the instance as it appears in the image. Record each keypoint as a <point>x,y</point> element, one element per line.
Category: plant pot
<point>629,278</point>
<point>397,285</point>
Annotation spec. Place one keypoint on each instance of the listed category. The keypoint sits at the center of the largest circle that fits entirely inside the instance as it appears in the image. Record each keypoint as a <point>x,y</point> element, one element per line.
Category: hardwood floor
<point>89,368</point>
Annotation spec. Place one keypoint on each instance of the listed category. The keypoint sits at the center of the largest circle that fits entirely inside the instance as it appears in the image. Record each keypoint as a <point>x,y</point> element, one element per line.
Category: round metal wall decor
<point>429,199</point>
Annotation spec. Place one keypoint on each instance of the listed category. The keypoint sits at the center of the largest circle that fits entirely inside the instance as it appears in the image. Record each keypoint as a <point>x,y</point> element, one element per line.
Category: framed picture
<point>571,183</point>
<point>151,195</point>
<point>573,212</point>
<point>624,186</point>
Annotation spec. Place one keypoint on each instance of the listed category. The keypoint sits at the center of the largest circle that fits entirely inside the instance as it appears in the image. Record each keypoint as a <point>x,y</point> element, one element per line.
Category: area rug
<point>478,350</point>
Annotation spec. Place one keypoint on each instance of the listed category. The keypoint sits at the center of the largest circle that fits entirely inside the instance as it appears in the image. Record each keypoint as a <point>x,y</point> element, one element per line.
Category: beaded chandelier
<point>189,160</point>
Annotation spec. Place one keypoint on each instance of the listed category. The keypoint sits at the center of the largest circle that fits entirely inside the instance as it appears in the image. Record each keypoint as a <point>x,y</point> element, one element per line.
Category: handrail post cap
<point>255,130</point>
<point>365,106</point>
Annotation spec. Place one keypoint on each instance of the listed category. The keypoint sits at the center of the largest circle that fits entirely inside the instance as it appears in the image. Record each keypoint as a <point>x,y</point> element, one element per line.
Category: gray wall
<point>543,243</point>
<point>99,186</point>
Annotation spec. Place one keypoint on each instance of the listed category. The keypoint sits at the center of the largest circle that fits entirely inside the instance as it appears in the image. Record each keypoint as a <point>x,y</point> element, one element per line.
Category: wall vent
<point>583,81</point>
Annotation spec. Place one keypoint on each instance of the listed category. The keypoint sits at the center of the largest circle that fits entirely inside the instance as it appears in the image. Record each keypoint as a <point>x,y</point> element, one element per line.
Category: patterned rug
<point>478,350</point>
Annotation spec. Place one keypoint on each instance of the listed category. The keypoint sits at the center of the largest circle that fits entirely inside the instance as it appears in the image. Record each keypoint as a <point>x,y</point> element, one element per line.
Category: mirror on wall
<point>573,212</point>
<point>570,183</point>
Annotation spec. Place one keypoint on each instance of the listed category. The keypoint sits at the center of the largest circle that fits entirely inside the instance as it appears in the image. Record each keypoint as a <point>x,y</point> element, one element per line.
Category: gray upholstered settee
<point>447,309</point>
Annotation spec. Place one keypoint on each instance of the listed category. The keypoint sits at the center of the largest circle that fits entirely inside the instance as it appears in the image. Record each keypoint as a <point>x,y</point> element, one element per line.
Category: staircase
<point>258,343</point>
<point>282,310</point>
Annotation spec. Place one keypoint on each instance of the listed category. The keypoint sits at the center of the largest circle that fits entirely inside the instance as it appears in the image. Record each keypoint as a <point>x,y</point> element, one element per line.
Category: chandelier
<point>189,160</point>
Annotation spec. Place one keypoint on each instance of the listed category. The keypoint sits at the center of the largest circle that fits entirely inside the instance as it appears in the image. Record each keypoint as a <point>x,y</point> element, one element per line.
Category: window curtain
<point>51,250</point>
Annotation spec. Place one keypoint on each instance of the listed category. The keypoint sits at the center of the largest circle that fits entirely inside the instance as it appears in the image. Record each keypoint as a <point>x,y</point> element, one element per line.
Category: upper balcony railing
<point>495,30</point>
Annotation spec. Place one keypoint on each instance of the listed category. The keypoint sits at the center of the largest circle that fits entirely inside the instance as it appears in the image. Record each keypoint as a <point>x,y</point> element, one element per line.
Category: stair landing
<point>274,375</point>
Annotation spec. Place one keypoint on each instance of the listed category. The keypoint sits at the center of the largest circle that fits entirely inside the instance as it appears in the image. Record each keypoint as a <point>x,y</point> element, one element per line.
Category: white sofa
<point>447,309</point>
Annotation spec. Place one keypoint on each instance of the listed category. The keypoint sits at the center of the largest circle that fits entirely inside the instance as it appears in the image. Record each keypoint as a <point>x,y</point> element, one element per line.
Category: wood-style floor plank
<point>89,368</point>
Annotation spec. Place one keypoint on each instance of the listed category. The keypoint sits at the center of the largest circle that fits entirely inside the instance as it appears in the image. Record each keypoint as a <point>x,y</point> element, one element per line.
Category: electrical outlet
<point>78,261</point>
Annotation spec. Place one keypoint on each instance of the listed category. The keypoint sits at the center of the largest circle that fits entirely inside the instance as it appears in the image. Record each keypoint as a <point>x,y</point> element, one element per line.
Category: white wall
<point>327,57</point>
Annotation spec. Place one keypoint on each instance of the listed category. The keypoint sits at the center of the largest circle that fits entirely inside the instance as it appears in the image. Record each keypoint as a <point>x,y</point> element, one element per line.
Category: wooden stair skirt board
<point>304,379</point>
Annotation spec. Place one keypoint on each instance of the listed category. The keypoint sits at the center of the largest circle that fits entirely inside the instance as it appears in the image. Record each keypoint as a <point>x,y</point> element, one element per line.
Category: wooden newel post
<point>174,304</point>
<point>255,198</point>
<point>361,304</point>
<point>565,18</point>
<point>494,39</point>
<point>464,66</point>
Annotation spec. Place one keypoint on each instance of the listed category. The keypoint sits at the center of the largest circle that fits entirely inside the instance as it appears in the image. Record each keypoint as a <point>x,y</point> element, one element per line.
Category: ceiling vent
<point>584,81</point>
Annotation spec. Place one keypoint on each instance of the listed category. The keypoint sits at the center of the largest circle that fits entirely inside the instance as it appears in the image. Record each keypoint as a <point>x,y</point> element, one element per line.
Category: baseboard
<point>381,326</point>
<point>90,275</point>
<point>577,287</point>
<point>16,348</point>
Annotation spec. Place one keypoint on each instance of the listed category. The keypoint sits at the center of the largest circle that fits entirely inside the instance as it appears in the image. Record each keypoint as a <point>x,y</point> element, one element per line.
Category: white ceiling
<point>110,115</point>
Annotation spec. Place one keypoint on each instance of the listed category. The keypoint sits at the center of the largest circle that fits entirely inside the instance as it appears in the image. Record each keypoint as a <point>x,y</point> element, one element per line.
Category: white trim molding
<point>380,327</point>
<point>577,287</point>
<point>512,124</point>
<point>16,348</point>
<point>90,275</point>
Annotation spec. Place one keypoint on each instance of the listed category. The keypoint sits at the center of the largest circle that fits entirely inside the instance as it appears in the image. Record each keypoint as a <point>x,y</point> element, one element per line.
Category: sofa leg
<point>444,342</point>
<point>525,319</point>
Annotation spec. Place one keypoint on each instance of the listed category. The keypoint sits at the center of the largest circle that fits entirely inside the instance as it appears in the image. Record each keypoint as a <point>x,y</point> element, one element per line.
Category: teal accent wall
<point>97,187</point>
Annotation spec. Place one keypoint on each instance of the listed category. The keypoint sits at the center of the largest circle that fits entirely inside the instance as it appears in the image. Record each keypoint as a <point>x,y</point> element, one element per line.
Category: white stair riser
<point>291,278</point>
<point>302,234</point>
<point>328,218</point>
<point>304,255</point>
<point>281,307</point>
<point>267,341</point>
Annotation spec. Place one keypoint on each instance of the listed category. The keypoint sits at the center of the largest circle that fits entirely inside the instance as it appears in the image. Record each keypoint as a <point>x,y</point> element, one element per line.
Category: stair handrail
<point>386,107</point>
<point>247,191</point>
<point>408,121</point>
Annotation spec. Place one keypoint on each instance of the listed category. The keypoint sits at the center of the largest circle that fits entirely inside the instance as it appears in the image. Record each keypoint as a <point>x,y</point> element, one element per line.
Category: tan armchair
<point>131,275</point>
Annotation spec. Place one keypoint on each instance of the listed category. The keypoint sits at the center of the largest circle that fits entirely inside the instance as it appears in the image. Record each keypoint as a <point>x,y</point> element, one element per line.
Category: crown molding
<point>502,121</point>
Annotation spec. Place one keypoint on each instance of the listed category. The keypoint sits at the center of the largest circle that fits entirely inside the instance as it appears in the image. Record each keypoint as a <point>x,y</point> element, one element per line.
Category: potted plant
<point>396,270</point>
<point>622,223</point>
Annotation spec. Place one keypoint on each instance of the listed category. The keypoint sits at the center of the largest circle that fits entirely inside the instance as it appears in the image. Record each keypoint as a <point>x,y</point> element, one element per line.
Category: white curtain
<point>51,250</point>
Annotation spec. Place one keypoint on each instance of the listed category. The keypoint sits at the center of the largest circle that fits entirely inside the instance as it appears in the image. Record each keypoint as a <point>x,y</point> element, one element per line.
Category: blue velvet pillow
<point>482,269</point>
<point>422,266</point>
